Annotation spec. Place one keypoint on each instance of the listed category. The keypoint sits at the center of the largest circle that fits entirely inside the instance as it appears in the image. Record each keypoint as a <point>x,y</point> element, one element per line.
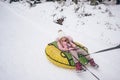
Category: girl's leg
<point>91,60</point>
<point>83,52</point>
<point>75,58</point>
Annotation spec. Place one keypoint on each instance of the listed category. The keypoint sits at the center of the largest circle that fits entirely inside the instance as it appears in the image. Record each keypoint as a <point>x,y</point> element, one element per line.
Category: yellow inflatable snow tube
<point>62,59</point>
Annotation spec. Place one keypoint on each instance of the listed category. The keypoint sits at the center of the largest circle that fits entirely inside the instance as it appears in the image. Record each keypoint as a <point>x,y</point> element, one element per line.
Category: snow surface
<point>25,32</point>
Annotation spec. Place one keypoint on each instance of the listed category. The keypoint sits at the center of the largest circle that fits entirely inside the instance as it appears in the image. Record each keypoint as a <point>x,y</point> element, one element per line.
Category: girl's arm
<point>71,41</point>
<point>61,46</point>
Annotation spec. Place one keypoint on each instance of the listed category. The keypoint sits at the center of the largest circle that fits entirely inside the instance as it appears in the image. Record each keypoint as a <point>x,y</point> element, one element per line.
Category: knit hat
<point>61,34</point>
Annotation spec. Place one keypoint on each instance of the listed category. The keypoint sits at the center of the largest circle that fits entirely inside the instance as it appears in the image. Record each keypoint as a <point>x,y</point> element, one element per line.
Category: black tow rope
<point>108,49</point>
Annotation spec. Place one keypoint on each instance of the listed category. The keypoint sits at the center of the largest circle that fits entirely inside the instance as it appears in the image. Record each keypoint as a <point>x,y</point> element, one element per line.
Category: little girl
<point>65,43</point>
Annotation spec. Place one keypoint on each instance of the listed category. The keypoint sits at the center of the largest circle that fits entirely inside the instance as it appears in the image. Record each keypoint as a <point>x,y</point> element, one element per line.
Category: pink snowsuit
<point>72,48</point>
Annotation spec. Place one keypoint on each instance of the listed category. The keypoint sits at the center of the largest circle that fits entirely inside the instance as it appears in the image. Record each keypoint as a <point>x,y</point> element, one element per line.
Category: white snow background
<point>25,32</point>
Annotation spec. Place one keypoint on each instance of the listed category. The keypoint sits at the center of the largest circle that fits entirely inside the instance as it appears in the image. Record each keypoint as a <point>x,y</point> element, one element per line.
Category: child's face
<point>64,39</point>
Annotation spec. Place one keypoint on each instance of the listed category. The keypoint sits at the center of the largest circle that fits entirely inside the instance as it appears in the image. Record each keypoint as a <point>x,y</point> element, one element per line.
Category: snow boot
<point>79,67</point>
<point>92,63</point>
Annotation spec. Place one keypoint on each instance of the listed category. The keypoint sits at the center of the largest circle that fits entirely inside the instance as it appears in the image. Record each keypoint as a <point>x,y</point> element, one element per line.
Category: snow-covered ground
<point>25,32</point>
